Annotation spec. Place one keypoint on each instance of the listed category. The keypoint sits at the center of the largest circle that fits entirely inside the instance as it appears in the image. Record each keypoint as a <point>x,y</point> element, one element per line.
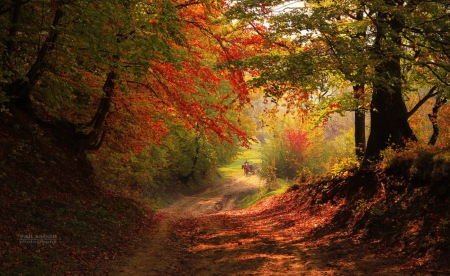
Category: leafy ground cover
<point>370,222</point>
<point>54,218</point>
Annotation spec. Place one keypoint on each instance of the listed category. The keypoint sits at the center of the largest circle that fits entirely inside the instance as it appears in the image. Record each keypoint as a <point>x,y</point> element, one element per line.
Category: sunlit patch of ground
<point>283,235</point>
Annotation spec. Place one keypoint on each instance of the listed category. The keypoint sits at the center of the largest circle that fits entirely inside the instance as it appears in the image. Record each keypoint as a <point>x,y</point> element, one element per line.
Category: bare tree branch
<point>431,93</point>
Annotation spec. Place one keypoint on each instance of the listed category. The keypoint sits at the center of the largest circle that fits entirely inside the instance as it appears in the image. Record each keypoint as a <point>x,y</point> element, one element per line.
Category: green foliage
<point>275,161</point>
<point>344,158</point>
<point>98,36</point>
<point>317,46</point>
<point>169,109</point>
<point>266,191</point>
<point>326,150</point>
<point>344,165</point>
<point>183,158</point>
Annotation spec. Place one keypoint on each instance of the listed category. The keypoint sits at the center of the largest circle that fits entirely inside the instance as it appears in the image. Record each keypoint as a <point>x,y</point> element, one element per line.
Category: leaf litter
<point>288,234</point>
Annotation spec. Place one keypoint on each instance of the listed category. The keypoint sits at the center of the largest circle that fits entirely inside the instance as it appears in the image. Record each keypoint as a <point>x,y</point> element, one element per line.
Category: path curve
<point>160,253</point>
<point>193,237</point>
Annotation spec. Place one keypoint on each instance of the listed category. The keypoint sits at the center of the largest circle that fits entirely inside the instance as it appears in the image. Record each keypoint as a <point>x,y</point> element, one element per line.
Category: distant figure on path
<point>246,167</point>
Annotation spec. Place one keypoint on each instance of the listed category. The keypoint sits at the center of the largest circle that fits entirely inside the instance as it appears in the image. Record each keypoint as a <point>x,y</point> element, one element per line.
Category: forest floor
<point>207,234</point>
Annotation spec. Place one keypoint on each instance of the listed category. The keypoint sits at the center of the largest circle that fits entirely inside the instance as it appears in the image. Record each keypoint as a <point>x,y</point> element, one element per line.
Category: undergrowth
<point>400,203</point>
<point>47,191</point>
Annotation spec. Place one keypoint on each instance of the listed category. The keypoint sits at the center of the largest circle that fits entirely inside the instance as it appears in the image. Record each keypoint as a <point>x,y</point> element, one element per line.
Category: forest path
<point>161,253</point>
<point>219,197</point>
<point>206,235</point>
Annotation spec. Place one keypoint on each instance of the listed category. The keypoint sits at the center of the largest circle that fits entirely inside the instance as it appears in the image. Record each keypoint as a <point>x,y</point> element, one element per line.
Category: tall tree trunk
<point>360,123</point>
<point>440,101</point>
<point>389,121</point>
<point>191,174</point>
<point>389,116</point>
<point>360,113</point>
<point>13,29</point>
<point>94,139</point>
<point>21,89</point>
<point>10,48</point>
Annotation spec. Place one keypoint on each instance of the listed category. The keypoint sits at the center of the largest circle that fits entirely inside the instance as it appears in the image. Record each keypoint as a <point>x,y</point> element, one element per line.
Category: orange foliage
<point>187,92</point>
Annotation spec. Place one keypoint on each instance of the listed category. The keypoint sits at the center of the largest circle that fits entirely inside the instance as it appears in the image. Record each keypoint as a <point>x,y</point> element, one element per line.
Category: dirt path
<point>162,252</point>
<point>217,198</point>
<point>206,235</point>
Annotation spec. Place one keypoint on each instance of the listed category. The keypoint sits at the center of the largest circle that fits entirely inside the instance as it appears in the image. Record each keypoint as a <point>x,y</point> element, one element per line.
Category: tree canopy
<point>383,46</point>
<point>133,73</point>
<point>154,61</point>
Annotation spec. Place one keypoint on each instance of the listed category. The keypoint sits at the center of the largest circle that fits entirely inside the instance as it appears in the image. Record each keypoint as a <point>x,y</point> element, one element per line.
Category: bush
<point>417,161</point>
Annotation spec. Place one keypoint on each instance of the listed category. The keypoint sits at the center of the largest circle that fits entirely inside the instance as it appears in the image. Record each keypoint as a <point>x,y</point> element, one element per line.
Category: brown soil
<point>206,235</point>
<point>220,197</point>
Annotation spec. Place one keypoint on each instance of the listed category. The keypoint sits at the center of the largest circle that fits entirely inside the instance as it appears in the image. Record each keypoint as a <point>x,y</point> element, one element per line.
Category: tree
<point>403,35</point>
<point>371,45</point>
<point>158,56</point>
<point>74,42</point>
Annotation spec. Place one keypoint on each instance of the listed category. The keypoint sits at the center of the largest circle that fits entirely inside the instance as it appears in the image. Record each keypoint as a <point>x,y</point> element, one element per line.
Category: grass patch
<point>250,200</point>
